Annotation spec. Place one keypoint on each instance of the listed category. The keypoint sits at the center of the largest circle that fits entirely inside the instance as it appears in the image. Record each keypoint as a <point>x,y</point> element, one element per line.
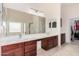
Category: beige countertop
<point>17,39</point>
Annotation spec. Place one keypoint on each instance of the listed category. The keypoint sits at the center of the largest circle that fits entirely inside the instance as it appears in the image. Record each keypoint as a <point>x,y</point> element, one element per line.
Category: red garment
<point>77,25</point>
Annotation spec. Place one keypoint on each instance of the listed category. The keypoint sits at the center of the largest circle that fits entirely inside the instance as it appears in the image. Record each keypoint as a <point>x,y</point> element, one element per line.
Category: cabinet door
<point>31,53</point>
<point>13,50</point>
<point>51,42</point>
<point>18,52</point>
<point>44,43</point>
<point>8,53</point>
<point>8,50</point>
<point>55,41</point>
<point>30,48</point>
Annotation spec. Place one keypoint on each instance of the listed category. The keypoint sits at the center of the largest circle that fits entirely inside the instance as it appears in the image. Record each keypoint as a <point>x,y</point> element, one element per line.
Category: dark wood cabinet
<point>44,43</point>
<point>63,38</point>
<point>13,50</point>
<point>8,53</point>
<point>20,49</point>
<point>55,41</point>
<point>50,42</point>
<point>30,48</point>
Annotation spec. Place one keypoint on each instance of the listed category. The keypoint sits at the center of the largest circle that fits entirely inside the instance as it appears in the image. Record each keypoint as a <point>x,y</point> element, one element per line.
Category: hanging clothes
<point>77,25</point>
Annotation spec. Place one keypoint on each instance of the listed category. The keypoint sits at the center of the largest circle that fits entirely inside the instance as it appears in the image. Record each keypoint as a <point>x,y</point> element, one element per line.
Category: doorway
<point>74,29</point>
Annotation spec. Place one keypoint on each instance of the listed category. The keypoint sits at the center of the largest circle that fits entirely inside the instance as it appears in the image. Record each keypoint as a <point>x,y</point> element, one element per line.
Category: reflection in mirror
<point>54,25</point>
<point>14,27</point>
<point>17,22</point>
<point>49,24</point>
<point>1,19</point>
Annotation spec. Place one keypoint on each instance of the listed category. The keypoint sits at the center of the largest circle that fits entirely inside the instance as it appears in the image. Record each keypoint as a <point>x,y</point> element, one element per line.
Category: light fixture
<point>34,10</point>
<point>38,12</point>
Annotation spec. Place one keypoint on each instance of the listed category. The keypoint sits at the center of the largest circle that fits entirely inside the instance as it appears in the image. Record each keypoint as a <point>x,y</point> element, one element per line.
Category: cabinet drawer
<point>30,43</point>
<point>11,47</point>
<point>9,53</point>
<point>16,52</point>
<point>30,47</point>
<point>19,52</point>
<point>8,47</point>
<point>31,53</point>
<point>20,45</point>
<point>13,50</point>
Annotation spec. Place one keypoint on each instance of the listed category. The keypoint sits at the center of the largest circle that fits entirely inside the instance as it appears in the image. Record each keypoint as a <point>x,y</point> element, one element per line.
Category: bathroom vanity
<point>27,46</point>
<point>20,49</point>
<point>49,42</point>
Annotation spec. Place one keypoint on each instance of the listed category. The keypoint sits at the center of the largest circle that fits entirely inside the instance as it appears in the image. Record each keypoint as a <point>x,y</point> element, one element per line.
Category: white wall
<point>17,6</point>
<point>69,11</point>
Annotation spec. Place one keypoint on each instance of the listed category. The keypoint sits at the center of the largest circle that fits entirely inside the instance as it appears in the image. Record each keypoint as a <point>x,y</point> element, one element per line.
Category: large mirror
<point>17,22</point>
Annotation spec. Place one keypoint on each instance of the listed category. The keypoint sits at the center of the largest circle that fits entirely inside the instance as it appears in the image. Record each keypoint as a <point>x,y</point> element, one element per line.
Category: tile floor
<point>71,49</point>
